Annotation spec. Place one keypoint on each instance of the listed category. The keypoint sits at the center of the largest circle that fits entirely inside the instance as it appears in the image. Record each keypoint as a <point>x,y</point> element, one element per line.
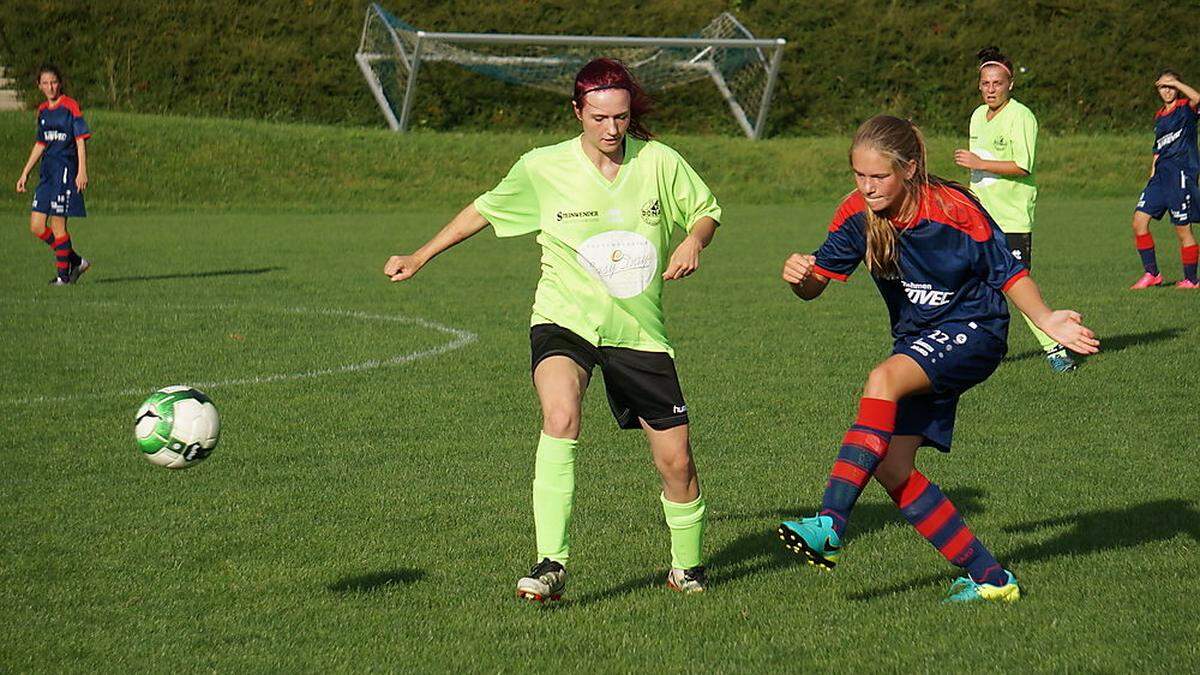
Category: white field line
<point>460,338</point>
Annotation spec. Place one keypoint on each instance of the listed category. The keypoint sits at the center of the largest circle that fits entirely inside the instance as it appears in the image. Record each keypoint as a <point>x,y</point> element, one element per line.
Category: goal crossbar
<point>744,69</point>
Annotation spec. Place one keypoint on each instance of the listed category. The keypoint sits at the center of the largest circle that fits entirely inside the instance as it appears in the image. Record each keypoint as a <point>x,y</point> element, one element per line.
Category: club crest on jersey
<point>925,294</point>
<point>652,212</point>
<point>1000,143</point>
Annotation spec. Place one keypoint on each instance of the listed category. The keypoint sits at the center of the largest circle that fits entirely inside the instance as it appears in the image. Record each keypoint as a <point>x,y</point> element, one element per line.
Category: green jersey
<point>604,243</point>
<point>1010,136</point>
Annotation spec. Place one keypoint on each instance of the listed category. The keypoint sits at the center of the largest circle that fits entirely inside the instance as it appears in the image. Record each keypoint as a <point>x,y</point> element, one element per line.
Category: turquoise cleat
<point>1060,360</point>
<point>814,538</point>
<point>965,589</point>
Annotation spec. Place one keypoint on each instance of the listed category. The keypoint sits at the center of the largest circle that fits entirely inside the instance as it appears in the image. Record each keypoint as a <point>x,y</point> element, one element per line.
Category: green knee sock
<point>553,495</point>
<point>1044,340</point>
<point>687,531</point>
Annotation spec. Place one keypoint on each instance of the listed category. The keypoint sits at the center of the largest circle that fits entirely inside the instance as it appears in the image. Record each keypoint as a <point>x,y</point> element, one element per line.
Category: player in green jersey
<point>604,205</point>
<point>1001,160</point>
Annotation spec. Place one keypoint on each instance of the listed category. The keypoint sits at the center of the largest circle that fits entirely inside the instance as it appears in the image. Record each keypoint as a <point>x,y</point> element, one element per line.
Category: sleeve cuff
<point>83,137</point>
<point>41,143</point>
<point>829,274</point>
<point>1014,279</point>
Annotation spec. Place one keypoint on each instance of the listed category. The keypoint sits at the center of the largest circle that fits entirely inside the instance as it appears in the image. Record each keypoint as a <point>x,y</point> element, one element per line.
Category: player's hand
<point>798,267</point>
<point>1167,80</point>
<point>401,267</point>
<point>81,181</point>
<point>1066,328</point>
<point>21,183</point>
<point>685,259</point>
<point>967,159</point>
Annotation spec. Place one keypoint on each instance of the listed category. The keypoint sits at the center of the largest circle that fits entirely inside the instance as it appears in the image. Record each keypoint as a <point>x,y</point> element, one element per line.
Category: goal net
<point>743,68</point>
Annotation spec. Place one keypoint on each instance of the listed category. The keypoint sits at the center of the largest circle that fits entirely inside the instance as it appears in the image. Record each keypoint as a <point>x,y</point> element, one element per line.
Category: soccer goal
<point>743,68</point>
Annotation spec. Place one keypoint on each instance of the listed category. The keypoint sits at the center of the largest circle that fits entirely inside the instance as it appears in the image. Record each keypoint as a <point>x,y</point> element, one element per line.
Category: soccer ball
<point>177,427</point>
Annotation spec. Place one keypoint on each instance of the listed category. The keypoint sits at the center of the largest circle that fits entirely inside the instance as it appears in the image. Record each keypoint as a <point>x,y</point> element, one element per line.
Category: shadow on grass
<point>190,275</point>
<point>1091,532</point>
<point>368,583</point>
<point>1113,343</point>
<point>760,550</point>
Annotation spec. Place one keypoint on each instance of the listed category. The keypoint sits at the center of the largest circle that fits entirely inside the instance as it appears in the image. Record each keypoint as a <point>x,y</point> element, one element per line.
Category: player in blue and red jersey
<point>1172,185</point>
<point>60,145</point>
<point>943,268</point>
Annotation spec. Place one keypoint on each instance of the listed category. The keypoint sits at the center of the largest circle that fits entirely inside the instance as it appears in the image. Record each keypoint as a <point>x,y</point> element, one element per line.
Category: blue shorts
<point>956,357</point>
<point>57,194</point>
<point>1171,189</point>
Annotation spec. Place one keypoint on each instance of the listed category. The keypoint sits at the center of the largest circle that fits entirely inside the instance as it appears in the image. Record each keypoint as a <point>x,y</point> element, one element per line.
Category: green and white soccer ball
<point>177,427</point>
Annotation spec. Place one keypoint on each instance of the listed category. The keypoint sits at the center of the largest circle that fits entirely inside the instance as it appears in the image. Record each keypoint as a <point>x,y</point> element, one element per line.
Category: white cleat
<point>546,581</point>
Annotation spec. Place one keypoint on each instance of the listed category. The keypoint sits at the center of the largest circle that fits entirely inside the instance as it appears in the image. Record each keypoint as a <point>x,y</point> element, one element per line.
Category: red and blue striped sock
<point>47,236</point>
<point>63,254</point>
<point>934,516</point>
<point>863,447</point>
<point>1145,248</point>
<point>1189,255</point>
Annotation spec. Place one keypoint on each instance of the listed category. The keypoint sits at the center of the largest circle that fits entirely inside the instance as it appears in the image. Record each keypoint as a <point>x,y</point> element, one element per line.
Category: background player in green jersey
<point>1001,160</point>
<point>604,205</point>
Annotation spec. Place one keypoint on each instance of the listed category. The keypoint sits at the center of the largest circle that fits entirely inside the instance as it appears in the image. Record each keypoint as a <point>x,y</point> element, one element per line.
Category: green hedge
<point>1089,64</point>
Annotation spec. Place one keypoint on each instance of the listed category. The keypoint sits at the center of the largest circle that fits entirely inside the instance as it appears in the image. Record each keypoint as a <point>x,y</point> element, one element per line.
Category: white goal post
<point>743,68</point>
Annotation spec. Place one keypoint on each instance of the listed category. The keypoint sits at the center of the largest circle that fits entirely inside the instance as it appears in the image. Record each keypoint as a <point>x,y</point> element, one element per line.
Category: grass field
<point>378,516</point>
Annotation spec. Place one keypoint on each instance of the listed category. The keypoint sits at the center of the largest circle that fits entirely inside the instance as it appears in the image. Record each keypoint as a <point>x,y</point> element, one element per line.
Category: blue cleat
<point>814,538</point>
<point>1060,360</point>
<point>965,589</point>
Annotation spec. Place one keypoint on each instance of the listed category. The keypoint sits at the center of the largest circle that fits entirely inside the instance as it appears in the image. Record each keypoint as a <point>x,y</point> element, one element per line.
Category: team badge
<point>651,212</point>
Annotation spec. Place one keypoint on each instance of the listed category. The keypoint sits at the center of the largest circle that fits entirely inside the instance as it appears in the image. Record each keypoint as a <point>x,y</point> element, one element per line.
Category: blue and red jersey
<point>58,127</point>
<point>1175,136</point>
<point>954,262</point>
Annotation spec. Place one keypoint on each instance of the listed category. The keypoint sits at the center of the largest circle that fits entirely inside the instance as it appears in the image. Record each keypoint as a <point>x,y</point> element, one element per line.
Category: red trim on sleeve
<point>72,105</point>
<point>948,206</point>
<point>83,137</point>
<point>1164,111</point>
<point>852,205</point>
<point>1015,278</point>
<point>41,143</point>
<point>828,274</point>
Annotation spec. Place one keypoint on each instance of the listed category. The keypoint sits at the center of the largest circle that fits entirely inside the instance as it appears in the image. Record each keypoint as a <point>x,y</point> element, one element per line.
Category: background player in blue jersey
<point>61,147</point>
<point>1172,185</point>
<point>943,268</point>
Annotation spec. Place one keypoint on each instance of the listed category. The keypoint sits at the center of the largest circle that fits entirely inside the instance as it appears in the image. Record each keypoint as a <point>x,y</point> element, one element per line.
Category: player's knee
<point>675,466</point>
<point>38,229</point>
<point>561,423</point>
<point>880,382</point>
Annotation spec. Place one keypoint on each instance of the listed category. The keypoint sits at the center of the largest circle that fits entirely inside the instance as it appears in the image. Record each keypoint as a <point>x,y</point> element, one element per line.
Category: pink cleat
<point>1147,281</point>
<point>1187,285</point>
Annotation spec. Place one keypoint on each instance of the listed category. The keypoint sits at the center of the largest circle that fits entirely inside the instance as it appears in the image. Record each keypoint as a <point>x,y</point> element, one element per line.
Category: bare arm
<point>798,272</point>
<point>1171,81</point>
<point>34,155</point>
<point>686,258</point>
<point>465,225</point>
<point>81,178</point>
<point>1064,326</point>
<point>969,160</point>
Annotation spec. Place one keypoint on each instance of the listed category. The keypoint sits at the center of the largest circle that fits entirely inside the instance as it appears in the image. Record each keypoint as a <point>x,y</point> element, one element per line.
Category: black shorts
<point>640,384</point>
<point>1021,245</point>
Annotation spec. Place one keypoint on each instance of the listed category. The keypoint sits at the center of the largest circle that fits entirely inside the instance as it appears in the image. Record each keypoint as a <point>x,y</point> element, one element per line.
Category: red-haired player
<point>604,204</point>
